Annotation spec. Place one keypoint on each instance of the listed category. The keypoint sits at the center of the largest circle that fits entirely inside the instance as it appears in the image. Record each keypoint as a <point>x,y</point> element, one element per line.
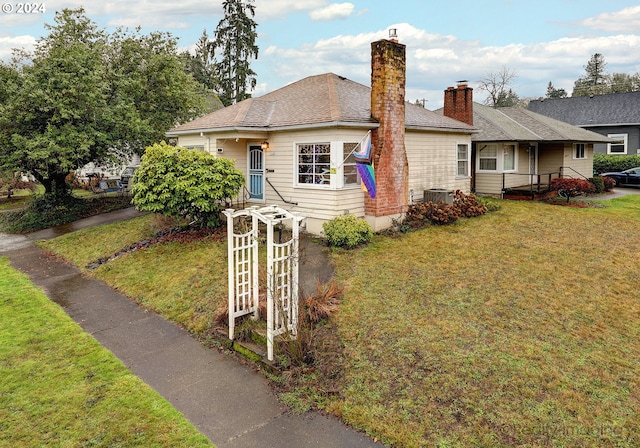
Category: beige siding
<point>578,167</point>
<point>489,183</point>
<point>432,164</point>
<point>551,158</point>
<point>321,202</point>
<point>432,158</point>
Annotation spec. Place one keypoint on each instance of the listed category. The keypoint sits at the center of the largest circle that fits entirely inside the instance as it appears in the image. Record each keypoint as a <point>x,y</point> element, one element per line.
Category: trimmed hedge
<point>607,163</point>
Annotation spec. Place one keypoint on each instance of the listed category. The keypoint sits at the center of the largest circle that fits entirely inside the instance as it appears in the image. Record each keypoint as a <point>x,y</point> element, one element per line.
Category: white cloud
<point>435,61</point>
<point>624,21</point>
<point>7,44</point>
<point>333,11</point>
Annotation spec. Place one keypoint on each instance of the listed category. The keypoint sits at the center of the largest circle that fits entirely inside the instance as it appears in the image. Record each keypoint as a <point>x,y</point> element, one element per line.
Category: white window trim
<point>336,172</point>
<point>468,173</point>
<point>499,158</point>
<point>584,151</point>
<point>625,140</point>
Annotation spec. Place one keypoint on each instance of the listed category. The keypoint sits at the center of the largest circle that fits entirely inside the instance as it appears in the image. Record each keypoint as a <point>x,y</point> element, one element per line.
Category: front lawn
<point>517,328</point>
<point>61,388</point>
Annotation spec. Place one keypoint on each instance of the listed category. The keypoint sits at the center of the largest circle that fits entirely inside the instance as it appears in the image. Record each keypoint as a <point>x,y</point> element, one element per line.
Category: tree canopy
<point>597,81</point>
<point>86,96</point>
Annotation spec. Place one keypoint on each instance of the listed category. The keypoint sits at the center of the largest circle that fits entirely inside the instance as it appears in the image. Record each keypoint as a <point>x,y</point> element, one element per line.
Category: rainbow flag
<point>363,153</point>
<point>368,177</point>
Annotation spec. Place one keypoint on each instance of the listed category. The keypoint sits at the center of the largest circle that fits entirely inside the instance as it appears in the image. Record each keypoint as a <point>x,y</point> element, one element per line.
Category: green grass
<point>518,328</point>
<point>103,241</point>
<point>61,388</point>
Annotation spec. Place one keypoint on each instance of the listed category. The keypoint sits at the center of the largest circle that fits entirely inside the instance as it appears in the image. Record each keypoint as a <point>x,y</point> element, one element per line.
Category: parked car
<point>630,177</point>
<point>127,175</point>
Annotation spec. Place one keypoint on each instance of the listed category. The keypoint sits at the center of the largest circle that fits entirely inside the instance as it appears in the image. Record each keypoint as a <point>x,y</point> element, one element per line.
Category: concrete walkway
<point>230,403</point>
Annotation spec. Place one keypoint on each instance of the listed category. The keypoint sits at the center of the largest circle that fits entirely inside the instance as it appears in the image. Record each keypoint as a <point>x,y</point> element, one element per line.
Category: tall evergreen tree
<point>595,81</point>
<point>235,42</point>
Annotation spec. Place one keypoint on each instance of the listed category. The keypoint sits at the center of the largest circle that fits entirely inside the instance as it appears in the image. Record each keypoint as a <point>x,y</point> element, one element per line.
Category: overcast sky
<point>450,40</point>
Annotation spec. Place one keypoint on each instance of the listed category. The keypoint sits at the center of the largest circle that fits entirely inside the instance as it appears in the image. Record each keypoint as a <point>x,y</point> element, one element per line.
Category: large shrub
<point>347,231</point>
<point>179,182</point>
<point>607,163</point>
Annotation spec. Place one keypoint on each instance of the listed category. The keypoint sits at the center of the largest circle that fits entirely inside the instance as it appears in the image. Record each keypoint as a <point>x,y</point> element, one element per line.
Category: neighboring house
<point>516,148</point>
<point>295,145</point>
<point>616,115</point>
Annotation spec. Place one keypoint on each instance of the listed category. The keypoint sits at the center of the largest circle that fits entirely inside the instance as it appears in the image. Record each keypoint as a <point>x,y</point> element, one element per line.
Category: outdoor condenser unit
<point>437,194</point>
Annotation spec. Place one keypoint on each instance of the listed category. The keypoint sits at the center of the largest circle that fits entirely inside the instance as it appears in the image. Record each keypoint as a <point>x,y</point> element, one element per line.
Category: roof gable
<point>315,100</point>
<point>519,124</point>
<point>615,108</point>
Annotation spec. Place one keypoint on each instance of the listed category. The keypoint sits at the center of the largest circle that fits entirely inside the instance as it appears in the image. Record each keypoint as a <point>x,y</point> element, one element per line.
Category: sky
<point>447,41</point>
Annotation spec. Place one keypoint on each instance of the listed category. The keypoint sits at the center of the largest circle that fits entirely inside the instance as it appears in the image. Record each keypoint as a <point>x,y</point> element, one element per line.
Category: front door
<point>256,173</point>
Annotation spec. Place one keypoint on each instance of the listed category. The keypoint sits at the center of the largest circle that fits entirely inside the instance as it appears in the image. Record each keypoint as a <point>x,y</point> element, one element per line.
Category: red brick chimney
<point>458,103</point>
<point>388,79</point>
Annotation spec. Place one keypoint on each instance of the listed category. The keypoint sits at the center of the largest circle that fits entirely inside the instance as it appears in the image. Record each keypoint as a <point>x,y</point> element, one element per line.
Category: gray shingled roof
<point>519,124</point>
<point>316,100</point>
<point>598,110</point>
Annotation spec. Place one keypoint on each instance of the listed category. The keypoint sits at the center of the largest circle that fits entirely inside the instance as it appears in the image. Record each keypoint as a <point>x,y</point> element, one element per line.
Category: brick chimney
<point>458,103</point>
<point>388,79</point>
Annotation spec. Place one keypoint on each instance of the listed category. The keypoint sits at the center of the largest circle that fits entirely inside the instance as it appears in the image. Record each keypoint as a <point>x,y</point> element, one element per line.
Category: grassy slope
<point>61,388</point>
<point>519,328</point>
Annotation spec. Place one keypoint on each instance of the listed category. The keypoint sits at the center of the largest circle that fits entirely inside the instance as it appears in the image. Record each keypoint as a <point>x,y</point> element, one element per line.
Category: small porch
<point>528,187</point>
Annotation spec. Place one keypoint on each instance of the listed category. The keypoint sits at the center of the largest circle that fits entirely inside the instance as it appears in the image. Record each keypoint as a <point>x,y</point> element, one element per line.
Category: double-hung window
<point>349,170</point>
<point>497,157</point>
<point>488,157</point>
<point>463,160</point>
<point>620,147</point>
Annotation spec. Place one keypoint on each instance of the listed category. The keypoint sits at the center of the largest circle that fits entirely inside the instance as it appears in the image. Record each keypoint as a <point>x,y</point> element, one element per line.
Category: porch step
<point>255,350</point>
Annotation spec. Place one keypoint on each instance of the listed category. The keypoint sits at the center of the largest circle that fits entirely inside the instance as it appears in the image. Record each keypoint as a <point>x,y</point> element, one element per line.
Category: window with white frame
<point>620,147</point>
<point>349,170</point>
<point>488,157</point>
<point>579,151</point>
<point>314,163</point>
<point>497,157</point>
<point>463,160</point>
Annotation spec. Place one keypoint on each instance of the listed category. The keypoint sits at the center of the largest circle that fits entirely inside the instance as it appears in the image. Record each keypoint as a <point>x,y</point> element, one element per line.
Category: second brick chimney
<point>458,103</point>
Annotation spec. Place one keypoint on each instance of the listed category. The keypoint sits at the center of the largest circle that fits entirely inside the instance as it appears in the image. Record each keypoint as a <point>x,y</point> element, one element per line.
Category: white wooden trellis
<point>282,271</point>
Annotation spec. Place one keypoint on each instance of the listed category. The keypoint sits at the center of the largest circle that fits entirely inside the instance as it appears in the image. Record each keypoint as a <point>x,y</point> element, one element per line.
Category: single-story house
<point>296,144</point>
<point>516,148</point>
<point>615,115</point>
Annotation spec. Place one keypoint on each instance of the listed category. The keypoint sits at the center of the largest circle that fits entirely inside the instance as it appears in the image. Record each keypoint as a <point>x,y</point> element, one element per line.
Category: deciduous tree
<point>496,84</point>
<point>86,96</point>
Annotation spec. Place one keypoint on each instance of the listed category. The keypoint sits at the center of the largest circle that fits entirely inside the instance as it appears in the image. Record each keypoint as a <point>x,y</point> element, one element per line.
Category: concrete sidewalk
<point>231,403</point>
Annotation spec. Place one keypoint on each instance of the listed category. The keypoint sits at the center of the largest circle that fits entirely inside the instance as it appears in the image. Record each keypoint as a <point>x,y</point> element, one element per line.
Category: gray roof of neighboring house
<point>597,110</point>
<point>318,100</point>
<point>520,124</point>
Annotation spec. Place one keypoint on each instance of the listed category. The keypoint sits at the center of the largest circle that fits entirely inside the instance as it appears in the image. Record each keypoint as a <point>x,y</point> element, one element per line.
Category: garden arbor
<point>282,269</point>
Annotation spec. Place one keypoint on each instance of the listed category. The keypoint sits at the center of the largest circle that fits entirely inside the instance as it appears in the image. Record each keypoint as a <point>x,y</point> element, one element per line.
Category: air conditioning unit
<point>436,195</point>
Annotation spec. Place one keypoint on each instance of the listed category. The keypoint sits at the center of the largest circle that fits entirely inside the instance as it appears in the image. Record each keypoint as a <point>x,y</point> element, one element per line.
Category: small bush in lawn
<point>598,183</point>
<point>347,231</point>
<point>608,182</point>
